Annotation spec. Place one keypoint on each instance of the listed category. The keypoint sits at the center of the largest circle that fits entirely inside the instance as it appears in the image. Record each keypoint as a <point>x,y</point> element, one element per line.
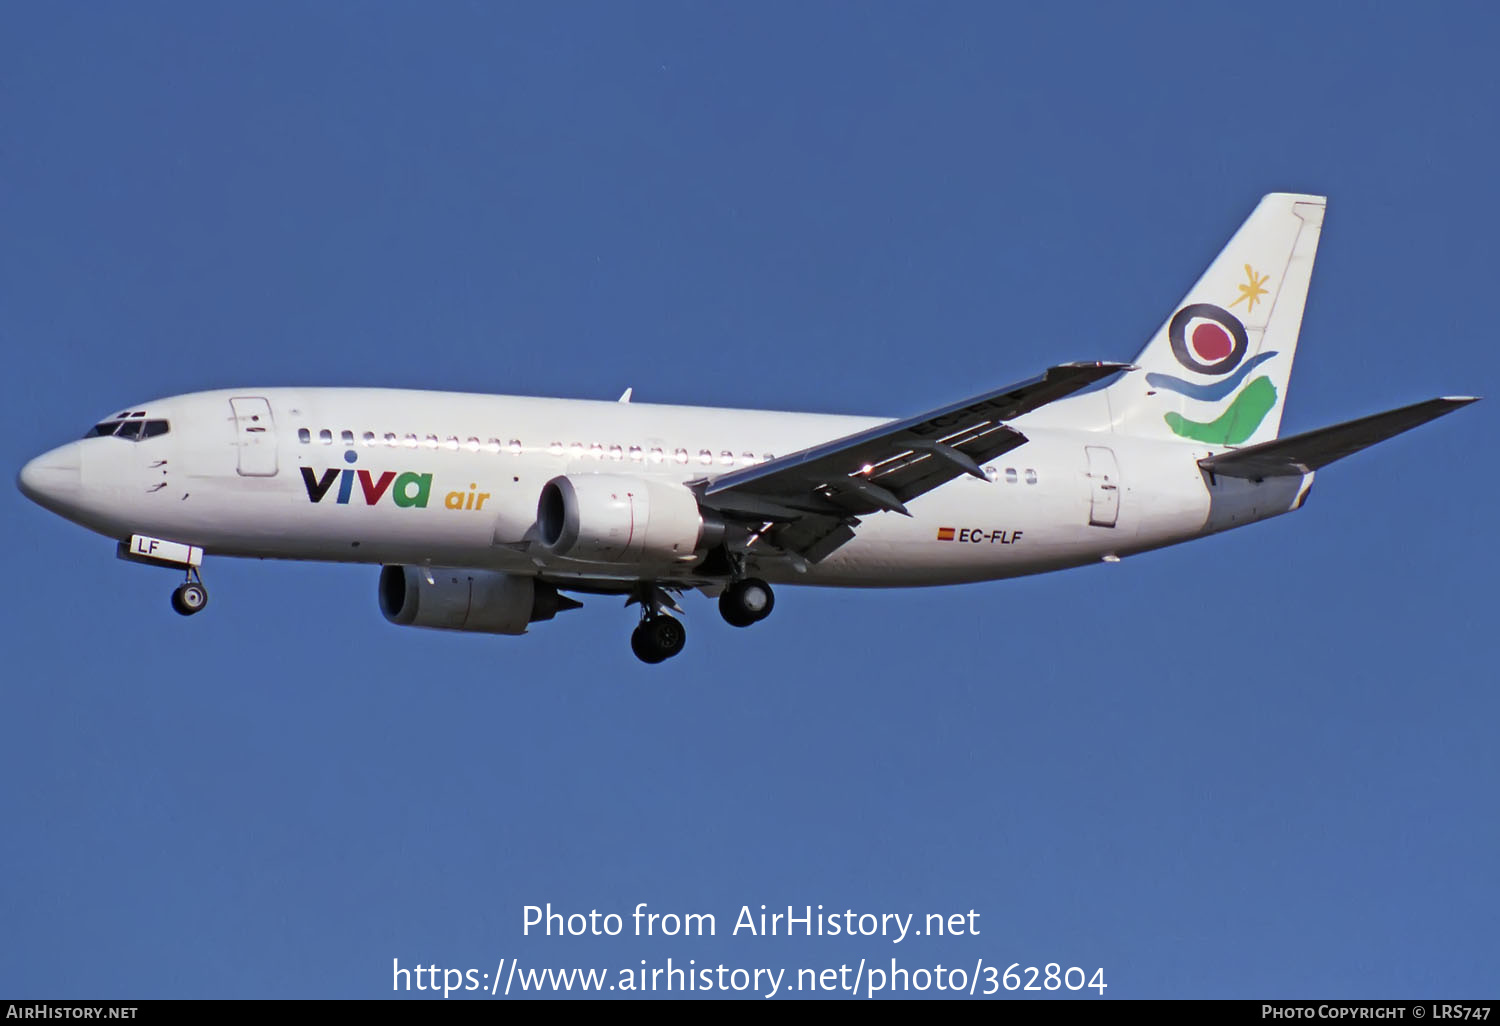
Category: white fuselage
<point>390,476</point>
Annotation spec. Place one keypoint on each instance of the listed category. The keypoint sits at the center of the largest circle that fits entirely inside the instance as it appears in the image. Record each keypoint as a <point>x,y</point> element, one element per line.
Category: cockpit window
<point>132,429</point>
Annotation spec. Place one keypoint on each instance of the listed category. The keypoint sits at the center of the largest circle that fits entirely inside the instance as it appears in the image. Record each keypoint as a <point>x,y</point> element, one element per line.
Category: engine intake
<point>485,601</point>
<point>614,518</point>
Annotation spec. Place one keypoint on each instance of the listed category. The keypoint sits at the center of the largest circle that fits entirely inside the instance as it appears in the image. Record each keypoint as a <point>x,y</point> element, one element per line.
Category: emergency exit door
<point>1104,479</point>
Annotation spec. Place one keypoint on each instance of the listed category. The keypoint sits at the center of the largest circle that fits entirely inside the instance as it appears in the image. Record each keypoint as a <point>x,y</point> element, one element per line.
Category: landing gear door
<point>1104,480</point>
<point>254,436</point>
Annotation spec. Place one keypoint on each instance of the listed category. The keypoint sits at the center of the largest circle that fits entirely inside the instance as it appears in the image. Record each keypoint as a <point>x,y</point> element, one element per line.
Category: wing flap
<point>813,537</point>
<point>1298,454</point>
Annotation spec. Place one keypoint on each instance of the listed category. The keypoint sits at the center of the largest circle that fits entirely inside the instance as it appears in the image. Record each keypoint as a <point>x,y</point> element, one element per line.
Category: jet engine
<point>614,518</point>
<point>467,600</point>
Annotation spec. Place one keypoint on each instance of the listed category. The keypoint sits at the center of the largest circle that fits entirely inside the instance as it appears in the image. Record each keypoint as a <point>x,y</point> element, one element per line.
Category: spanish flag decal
<point>945,534</point>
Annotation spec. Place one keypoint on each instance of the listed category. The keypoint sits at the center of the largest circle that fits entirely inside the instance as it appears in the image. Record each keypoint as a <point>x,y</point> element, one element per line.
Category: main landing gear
<point>190,596</point>
<point>746,601</point>
<point>659,636</point>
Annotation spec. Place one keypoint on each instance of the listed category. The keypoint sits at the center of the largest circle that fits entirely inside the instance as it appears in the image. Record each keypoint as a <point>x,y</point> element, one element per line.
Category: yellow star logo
<point>1251,289</point>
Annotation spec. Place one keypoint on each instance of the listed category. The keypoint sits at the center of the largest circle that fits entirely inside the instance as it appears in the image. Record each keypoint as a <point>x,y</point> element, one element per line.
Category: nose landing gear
<point>190,596</point>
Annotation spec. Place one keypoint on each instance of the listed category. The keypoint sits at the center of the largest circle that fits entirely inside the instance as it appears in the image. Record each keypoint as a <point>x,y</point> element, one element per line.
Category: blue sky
<point>1260,764</point>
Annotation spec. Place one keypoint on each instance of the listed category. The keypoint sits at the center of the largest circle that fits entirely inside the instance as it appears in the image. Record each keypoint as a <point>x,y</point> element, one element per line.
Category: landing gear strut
<point>190,596</point>
<point>659,636</point>
<point>746,601</point>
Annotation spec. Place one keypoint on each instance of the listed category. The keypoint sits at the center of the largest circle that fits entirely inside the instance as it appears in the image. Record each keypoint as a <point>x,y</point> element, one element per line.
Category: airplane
<point>488,513</point>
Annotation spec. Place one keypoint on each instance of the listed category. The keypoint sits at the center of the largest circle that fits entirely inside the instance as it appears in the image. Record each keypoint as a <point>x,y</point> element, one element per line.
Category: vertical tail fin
<point>1217,371</point>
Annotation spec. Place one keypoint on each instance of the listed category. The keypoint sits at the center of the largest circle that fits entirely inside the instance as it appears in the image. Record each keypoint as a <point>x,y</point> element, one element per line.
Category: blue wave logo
<point>1210,393</point>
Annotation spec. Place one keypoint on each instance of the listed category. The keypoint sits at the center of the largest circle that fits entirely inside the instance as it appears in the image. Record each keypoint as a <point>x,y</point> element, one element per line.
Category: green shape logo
<point>1236,423</point>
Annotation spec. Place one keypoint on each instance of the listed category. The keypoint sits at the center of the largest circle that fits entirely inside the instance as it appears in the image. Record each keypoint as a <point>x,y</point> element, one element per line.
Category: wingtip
<point>1109,365</point>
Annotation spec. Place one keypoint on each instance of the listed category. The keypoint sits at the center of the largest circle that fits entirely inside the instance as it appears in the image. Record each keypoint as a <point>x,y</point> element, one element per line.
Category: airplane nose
<point>53,479</point>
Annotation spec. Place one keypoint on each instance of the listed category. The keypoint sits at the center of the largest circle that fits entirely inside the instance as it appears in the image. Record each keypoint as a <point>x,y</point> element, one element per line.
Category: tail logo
<point>1210,340</point>
<point>1207,339</point>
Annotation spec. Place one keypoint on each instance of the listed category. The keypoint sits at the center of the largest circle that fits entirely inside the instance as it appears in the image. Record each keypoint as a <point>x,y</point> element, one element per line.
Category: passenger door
<point>254,436</point>
<point>1104,476</point>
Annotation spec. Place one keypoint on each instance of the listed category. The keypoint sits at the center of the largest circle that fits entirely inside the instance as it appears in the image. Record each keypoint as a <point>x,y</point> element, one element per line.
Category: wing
<point>813,498</point>
<point>1283,457</point>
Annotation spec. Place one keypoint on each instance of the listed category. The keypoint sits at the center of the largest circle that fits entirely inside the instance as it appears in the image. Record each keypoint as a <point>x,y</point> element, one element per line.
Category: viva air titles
<point>804,922</point>
<point>409,490</point>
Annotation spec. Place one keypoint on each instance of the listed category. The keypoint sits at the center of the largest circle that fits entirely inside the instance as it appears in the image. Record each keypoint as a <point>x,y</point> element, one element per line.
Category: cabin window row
<point>595,450</point>
<point>1011,475</point>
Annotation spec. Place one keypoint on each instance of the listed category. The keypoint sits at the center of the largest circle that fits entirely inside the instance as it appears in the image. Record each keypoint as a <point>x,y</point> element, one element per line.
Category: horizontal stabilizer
<point>1294,456</point>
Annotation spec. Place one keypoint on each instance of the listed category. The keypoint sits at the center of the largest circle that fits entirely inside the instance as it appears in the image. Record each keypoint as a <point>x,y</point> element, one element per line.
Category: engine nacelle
<point>467,600</point>
<point>614,518</point>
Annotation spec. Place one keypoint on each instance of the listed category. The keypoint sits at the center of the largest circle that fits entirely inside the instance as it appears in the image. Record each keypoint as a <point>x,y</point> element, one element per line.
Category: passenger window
<point>410,441</point>
<point>597,451</point>
<point>431,441</point>
<point>515,447</point>
<point>705,456</point>
<point>680,455</point>
<point>1030,476</point>
<point>1010,475</point>
<point>727,458</point>
<point>368,438</point>
<point>991,474</point>
<point>304,436</point>
<point>556,448</point>
<point>575,450</point>
<point>657,455</point>
<point>472,445</point>
<point>347,437</point>
<point>747,458</point>
<point>492,446</point>
<point>390,440</point>
<point>636,454</point>
<point>154,428</point>
<point>451,443</point>
<point>325,436</point>
<point>615,452</point>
